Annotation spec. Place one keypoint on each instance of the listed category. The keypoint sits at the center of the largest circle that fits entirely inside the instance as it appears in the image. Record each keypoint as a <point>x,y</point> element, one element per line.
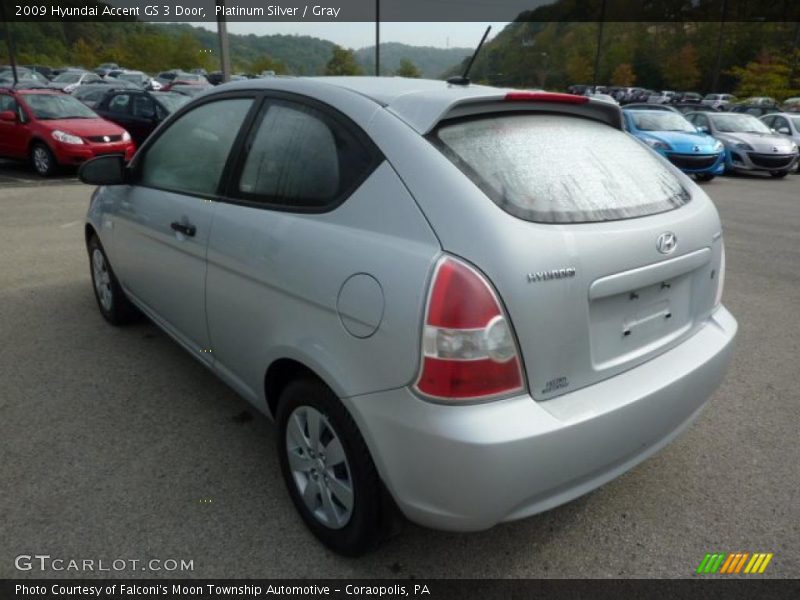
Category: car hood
<point>84,127</point>
<point>683,141</point>
<point>760,142</point>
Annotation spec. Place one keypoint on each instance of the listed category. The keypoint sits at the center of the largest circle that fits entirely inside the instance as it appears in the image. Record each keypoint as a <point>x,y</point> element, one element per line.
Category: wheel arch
<point>280,373</point>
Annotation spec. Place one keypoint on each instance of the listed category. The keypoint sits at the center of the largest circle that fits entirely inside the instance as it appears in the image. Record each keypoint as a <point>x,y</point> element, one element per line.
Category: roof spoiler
<point>488,100</point>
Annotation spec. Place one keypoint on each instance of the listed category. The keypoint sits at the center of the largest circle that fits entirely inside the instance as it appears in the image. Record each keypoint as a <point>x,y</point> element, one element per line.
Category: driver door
<point>163,219</point>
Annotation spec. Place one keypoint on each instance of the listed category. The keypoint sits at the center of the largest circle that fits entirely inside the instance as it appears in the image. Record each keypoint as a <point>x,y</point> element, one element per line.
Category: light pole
<point>377,38</point>
<point>224,49</point>
<point>600,26</point>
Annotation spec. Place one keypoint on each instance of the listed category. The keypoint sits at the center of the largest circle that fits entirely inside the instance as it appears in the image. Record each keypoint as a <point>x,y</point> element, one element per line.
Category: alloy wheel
<point>41,160</point>
<point>102,280</point>
<point>319,467</point>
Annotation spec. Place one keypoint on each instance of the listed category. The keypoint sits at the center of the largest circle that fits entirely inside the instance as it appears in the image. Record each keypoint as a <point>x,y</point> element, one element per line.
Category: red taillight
<point>468,347</point>
<point>545,97</point>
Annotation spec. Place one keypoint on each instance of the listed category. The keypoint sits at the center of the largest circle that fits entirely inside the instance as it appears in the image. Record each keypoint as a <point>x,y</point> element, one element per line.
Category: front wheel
<point>328,470</point>
<point>111,299</point>
<point>43,160</point>
<point>779,174</point>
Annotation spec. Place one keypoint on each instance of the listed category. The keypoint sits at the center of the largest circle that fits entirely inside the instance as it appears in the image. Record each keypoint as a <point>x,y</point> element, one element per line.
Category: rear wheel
<point>111,299</point>
<point>328,470</point>
<point>779,174</point>
<point>43,160</point>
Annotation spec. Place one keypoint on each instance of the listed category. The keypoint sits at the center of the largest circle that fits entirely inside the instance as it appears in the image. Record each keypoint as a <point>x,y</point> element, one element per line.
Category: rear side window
<point>299,158</point>
<point>560,169</point>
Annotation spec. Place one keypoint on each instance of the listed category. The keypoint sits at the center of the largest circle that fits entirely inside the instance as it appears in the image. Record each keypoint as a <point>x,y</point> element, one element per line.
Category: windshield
<point>738,123</point>
<point>170,101</point>
<point>69,77</point>
<point>527,165</point>
<point>712,97</point>
<point>133,77</point>
<point>57,106</point>
<point>662,121</point>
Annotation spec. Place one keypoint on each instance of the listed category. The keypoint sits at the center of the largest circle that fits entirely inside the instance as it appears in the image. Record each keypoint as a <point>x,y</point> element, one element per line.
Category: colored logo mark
<point>726,563</point>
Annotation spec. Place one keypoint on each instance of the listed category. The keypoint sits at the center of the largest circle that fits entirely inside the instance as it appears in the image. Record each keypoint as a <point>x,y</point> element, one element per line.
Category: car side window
<point>120,104</point>
<point>301,158</point>
<point>768,121</point>
<point>190,155</point>
<point>700,120</point>
<point>8,103</point>
<point>780,123</point>
<point>143,107</point>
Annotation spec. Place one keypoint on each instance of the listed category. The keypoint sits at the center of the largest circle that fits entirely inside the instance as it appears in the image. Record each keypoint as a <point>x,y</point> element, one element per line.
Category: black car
<point>138,111</point>
<point>757,110</point>
<point>687,98</point>
<point>687,107</point>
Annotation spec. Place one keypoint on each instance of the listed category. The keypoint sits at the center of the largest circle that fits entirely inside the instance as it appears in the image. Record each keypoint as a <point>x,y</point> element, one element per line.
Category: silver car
<point>787,125</point>
<point>750,145</point>
<point>472,303</point>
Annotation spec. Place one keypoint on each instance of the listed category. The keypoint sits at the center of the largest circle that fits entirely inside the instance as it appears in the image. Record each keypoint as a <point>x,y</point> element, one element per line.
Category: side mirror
<point>103,170</point>
<point>784,130</point>
<point>9,116</point>
<point>703,129</point>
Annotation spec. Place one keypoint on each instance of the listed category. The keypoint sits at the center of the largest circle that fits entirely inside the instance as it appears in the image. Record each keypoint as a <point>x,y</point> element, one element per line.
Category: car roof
<point>421,103</point>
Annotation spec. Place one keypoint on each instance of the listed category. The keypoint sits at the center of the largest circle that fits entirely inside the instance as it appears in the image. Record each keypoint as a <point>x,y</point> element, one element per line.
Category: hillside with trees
<point>431,62</point>
<point>678,56</point>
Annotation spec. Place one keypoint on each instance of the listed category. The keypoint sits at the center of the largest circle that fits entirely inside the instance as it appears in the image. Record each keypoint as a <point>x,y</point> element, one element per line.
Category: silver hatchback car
<point>472,303</point>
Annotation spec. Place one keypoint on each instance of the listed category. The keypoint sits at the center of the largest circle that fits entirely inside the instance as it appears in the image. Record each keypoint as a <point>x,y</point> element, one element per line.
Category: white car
<point>785,124</point>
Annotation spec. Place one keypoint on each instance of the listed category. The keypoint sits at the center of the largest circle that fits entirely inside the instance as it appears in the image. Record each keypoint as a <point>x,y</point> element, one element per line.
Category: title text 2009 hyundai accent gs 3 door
<point>414,280</point>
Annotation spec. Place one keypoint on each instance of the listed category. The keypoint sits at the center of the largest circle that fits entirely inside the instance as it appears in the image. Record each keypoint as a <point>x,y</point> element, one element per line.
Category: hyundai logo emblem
<point>106,138</point>
<point>696,148</point>
<point>774,148</point>
<point>667,242</point>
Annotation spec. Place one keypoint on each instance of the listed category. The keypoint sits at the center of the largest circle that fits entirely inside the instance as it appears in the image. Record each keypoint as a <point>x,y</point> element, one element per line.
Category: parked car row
<point>706,144</point>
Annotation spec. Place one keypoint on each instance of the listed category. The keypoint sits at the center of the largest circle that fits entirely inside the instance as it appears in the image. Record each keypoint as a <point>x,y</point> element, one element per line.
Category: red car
<point>53,129</point>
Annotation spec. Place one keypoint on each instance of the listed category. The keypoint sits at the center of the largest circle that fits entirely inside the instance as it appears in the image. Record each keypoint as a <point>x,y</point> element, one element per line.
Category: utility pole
<point>10,41</point>
<point>377,38</point>
<point>600,27</point>
<point>224,49</point>
<point>720,36</point>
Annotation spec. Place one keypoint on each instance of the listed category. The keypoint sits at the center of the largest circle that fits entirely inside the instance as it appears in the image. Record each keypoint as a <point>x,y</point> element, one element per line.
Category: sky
<point>358,35</point>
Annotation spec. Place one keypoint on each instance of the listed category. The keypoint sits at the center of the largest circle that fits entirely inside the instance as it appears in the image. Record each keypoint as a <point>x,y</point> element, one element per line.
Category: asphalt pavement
<point>116,444</point>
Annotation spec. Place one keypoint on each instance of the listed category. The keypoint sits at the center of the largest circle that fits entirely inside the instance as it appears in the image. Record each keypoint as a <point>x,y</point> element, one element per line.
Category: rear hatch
<point>604,254</point>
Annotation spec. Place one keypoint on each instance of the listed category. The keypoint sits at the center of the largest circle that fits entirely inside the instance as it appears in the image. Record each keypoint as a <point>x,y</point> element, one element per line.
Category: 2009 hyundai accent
<point>477,303</point>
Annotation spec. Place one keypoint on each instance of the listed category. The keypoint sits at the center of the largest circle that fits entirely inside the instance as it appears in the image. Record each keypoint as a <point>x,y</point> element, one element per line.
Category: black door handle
<point>184,228</point>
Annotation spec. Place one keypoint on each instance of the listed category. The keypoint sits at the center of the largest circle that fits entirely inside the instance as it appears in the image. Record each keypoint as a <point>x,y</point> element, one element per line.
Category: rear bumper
<point>468,468</point>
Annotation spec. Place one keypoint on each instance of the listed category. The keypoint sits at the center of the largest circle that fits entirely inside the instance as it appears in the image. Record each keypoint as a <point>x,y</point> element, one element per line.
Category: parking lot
<point>117,444</point>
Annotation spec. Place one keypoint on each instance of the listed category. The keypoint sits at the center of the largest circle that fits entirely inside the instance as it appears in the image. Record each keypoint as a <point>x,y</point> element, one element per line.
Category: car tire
<point>114,305</point>
<point>704,176</point>
<point>341,503</point>
<point>779,174</point>
<point>43,160</point>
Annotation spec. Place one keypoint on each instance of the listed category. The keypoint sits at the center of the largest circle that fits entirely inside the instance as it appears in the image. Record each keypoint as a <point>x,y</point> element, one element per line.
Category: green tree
<point>343,62</point>
<point>681,70</point>
<point>768,75</point>
<point>579,69</point>
<point>267,63</point>
<point>83,54</point>
<point>408,69</point>
<point>623,75</point>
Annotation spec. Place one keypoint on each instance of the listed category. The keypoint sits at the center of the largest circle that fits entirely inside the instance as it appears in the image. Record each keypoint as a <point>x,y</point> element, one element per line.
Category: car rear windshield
<point>560,169</point>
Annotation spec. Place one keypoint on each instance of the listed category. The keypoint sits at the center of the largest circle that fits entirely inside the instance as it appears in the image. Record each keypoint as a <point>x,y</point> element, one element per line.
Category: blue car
<point>672,136</point>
